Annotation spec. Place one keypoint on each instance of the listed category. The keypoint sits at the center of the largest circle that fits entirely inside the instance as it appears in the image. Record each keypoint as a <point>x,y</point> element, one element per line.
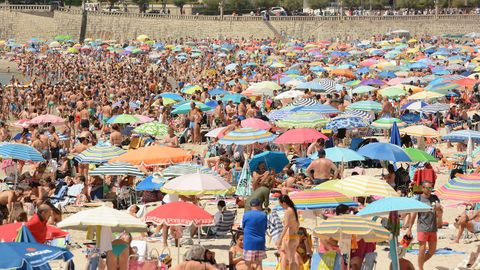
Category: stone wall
<point>22,26</point>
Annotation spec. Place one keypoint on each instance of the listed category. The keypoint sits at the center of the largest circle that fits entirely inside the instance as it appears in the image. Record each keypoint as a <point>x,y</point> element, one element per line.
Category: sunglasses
<point>429,188</point>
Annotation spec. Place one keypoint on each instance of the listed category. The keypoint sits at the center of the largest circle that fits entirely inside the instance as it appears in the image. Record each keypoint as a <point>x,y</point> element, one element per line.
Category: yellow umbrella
<point>142,38</point>
<point>344,226</point>
<point>420,130</point>
<point>415,89</point>
<point>424,95</point>
<point>361,186</point>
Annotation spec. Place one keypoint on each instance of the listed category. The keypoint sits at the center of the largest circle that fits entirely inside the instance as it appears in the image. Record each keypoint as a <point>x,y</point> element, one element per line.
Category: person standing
<point>254,226</point>
<point>426,225</point>
<point>289,240</point>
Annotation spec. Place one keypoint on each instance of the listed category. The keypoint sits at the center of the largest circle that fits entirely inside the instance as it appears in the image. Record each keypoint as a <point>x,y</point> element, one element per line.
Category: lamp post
<point>220,7</point>
<point>83,25</point>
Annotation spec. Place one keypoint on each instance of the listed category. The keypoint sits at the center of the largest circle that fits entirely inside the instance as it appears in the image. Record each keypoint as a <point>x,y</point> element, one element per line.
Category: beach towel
<point>440,251</point>
<point>327,261</point>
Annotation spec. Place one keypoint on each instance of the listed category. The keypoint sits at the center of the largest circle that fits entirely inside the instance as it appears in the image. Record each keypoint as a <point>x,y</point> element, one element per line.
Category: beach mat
<point>441,251</point>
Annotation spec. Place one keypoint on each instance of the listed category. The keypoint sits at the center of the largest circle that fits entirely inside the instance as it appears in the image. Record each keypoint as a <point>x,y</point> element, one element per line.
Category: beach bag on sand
<point>151,262</point>
<point>165,259</point>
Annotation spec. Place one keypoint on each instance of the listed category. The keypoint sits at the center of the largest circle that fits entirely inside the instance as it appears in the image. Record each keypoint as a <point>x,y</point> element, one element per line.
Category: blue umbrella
<point>25,236</point>
<point>395,135</point>
<point>235,98</point>
<point>152,182</point>
<point>401,204</point>
<point>463,135</point>
<point>339,154</point>
<point>29,256</point>
<point>346,122</point>
<point>384,151</point>
<point>410,118</point>
<point>414,105</point>
<point>173,96</point>
<point>20,151</point>
<point>217,91</point>
<point>273,160</point>
<point>319,108</point>
<point>211,103</point>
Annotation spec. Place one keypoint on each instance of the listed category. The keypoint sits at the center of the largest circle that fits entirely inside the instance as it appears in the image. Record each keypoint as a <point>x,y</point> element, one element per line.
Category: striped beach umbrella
<point>155,128</point>
<point>463,135</point>
<point>465,188</point>
<point>20,151</point>
<point>367,105</point>
<point>245,136</point>
<point>387,123</point>
<point>99,154</point>
<point>276,115</point>
<point>117,168</point>
<point>360,186</point>
<point>365,115</point>
<point>319,108</point>
<point>344,226</point>
<point>436,107</point>
<point>318,199</point>
<point>304,102</point>
<point>186,168</point>
<point>346,121</point>
<point>425,95</point>
<point>303,120</point>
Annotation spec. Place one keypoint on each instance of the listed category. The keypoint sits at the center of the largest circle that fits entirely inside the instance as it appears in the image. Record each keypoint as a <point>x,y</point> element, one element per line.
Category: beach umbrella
<point>420,131</point>
<point>117,168</point>
<point>414,105</point>
<point>363,89</point>
<point>395,135</point>
<point>191,89</point>
<point>155,128</point>
<point>303,102</point>
<point>319,199</point>
<point>289,94</point>
<point>214,133</point>
<point>46,119</point>
<point>151,182</point>
<point>441,87</point>
<point>372,82</point>
<point>185,108</point>
<point>319,108</point>
<point>387,123</point>
<point>280,114</point>
<point>104,216</point>
<point>273,160</point>
<point>10,231</point>
<point>410,118</point>
<point>339,154</point>
<point>30,256</point>
<point>143,119</point>
<point>197,184</point>
<point>173,96</point>
<point>318,86</point>
<point>425,95</point>
<point>22,123</point>
<point>366,105</point>
<point>360,186</point>
<point>99,154</point>
<point>179,214</point>
<point>463,135</point>
<point>154,155</point>
<point>235,98</point>
<point>303,120</point>
<point>418,155</point>
<point>386,205</point>
<point>256,124</point>
<point>344,226</point>
<point>20,151</point>
<point>392,92</point>
<point>436,107</point>
<point>262,88</point>
<point>186,168</point>
<point>464,188</point>
<point>123,119</point>
<point>365,115</point>
<point>300,136</point>
<point>245,136</point>
<point>384,151</point>
<point>217,92</point>
<point>346,121</point>
<point>142,38</point>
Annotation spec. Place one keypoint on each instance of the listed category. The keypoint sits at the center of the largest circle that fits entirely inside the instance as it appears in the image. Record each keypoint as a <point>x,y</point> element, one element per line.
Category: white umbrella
<point>215,132</point>
<point>105,217</point>
<point>290,94</point>
<point>197,184</point>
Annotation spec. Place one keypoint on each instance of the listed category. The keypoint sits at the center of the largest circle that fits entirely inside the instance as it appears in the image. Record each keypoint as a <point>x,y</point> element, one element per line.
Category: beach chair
<point>330,260</point>
<point>370,261</point>
<point>135,143</point>
<point>59,196</point>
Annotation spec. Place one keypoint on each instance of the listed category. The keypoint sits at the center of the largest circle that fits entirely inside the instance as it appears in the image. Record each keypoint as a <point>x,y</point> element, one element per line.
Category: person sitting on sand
<point>469,222</point>
<point>236,254</point>
<point>194,260</point>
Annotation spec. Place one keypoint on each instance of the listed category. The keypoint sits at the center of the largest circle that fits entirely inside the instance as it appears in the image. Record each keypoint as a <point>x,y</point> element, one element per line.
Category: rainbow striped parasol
<point>342,227</point>
<point>464,188</point>
<point>317,199</point>
<point>244,136</point>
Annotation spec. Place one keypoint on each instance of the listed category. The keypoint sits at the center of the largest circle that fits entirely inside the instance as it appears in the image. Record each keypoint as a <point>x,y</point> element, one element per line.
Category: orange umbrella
<point>343,72</point>
<point>465,81</point>
<point>154,155</point>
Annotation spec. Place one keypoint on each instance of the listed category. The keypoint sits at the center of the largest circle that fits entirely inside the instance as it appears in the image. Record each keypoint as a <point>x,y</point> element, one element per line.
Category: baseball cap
<point>255,202</point>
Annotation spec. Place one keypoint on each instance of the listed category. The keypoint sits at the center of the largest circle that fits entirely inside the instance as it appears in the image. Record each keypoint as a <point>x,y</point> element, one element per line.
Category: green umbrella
<point>419,155</point>
<point>123,119</point>
<point>303,120</point>
<point>156,129</point>
<point>392,92</point>
<point>363,89</point>
<point>185,108</point>
<point>387,122</point>
<point>367,105</point>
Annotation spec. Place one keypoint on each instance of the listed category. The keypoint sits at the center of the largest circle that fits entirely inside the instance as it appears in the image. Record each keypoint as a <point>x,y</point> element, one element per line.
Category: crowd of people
<point>88,84</point>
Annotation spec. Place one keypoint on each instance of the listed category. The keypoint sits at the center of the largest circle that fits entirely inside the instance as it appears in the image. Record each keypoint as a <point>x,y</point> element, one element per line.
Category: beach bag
<point>326,261</point>
<point>151,262</point>
<point>305,266</point>
<point>165,259</point>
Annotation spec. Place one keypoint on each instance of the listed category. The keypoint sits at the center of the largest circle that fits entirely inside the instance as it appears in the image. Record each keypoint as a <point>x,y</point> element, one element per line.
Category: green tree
<point>291,5</point>
<point>180,4</point>
<point>240,6</point>
<point>265,3</point>
<point>318,4</point>
<point>142,5</point>
<point>211,7</point>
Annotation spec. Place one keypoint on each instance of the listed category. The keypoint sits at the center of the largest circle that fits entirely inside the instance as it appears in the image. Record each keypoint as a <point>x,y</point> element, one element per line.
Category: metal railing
<point>26,7</point>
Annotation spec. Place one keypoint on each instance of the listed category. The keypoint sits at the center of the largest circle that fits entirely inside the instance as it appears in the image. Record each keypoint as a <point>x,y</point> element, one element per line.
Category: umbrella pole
<point>393,250</point>
<point>16,175</point>
<point>178,253</point>
<point>199,229</point>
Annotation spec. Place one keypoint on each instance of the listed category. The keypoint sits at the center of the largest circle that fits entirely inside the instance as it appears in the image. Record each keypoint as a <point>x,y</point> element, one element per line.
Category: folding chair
<point>370,261</point>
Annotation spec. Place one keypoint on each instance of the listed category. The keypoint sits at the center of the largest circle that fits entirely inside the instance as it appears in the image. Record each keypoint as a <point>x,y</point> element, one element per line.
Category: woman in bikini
<point>236,254</point>
<point>290,239</point>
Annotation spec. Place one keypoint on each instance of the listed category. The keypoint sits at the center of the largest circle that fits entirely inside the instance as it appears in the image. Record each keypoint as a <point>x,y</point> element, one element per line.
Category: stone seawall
<point>22,26</point>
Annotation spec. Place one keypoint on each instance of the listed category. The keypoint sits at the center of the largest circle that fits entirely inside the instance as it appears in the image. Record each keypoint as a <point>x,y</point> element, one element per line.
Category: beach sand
<point>221,245</point>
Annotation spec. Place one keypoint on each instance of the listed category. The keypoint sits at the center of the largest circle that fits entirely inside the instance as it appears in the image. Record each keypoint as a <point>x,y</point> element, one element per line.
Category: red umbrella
<point>179,214</point>
<point>256,123</point>
<point>300,135</point>
<point>8,232</point>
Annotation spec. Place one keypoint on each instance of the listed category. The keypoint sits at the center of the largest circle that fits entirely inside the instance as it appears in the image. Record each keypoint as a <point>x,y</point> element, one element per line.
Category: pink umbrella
<point>143,119</point>
<point>395,81</point>
<point>47,118</point>
<point>22,123</point>
<point>300,135</point>
<point>256,123</point>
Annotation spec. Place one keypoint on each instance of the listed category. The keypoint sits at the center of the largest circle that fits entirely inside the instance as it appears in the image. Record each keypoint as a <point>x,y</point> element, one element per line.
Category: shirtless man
<point>7,201</point>
<point>230,109</point>
<point>219,115</point>
<point>84,117</point>
<point>116,137</point>
<point>242,108</point>
<point>77,149</point>
<point>316,146</point>
<point>320,169</point>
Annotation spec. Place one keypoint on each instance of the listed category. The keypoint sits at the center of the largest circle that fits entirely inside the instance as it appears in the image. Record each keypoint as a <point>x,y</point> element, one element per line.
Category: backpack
<point>402,179</point>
